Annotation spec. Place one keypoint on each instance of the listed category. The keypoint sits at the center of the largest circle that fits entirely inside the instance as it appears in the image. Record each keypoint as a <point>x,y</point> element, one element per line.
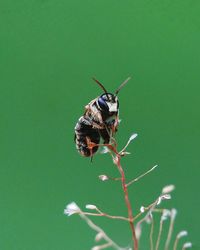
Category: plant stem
<point>99,230</point>
<point>159,233</point>
<point>176,243</point>
<point>142,175</point>
<point>171,227</point>
<point>151,233</point>
<point>128,204</point>
<point>107,215</point>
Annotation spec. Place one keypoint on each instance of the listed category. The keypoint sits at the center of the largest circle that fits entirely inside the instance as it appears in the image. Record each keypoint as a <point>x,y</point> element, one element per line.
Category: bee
<point>100,121</point>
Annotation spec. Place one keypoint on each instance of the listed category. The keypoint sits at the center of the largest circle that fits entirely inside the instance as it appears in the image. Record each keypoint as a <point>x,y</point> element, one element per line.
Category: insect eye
<point>102,104</point>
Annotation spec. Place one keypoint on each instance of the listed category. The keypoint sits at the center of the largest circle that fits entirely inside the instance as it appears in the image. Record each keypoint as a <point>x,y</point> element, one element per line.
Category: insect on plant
<point>100,121</point>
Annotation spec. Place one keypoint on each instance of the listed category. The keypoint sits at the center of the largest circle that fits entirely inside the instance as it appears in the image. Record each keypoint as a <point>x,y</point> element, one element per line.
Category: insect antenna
<point>122,85</point>
<point>101,85</point>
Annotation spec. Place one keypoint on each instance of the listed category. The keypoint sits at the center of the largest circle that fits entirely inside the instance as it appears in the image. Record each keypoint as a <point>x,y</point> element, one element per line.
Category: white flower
<point>125,153</point>
<point>132,137</point>
<point>142,209</point>
<point>166,213</point>
<point>182,234</point>
<point>90,206</point>
<point>71,208</point>
<point>103,177</point>
<point>168,189</point>
<point>187,245</point>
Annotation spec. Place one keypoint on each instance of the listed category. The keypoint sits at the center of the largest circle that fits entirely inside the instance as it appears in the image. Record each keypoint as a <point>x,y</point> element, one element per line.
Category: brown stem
<point>128,204</point>
<point>124,187</point>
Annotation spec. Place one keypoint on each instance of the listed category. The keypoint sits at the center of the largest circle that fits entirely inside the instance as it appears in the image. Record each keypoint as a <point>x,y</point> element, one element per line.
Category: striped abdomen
<point>84,130</point>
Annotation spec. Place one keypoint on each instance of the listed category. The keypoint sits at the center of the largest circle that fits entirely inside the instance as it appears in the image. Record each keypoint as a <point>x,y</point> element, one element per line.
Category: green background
<point>49,50</point>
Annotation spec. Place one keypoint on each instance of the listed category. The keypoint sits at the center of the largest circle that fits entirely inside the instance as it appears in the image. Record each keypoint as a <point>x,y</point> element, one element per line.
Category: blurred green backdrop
<point>49,50</point>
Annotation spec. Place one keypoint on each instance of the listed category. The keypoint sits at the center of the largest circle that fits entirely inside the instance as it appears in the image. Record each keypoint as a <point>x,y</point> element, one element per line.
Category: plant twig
<point>142,175</point>
<point>106,215</point>
<point>99,230</point>
<point>126,197</point>
<point>151,233</point>
<point>159,234</point>
<point>171,227</point>
<point>178,236</point>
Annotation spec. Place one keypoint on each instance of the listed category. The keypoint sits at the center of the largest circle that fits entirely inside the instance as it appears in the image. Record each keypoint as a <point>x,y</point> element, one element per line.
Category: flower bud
<point>103,177</point>
<point>142,209</point>
<point>168,189</point>
<point>182,234</point>
<point>187,245</point>
<point>90,206</point>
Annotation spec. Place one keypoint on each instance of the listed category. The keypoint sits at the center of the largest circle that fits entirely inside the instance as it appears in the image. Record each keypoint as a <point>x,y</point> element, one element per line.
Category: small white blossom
<point>166,213</point>
<point>187,245</point>
<point>125,153</point>
<point>168,189</point>
<point>90,206</point>
<point>142,209</point>
<point>182,234</point>
<point>71,208</point>
<point>103,177</point>
<point>132,137</point>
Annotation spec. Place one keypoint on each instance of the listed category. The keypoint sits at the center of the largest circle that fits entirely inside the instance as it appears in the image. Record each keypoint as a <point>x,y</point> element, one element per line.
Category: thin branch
<point>132,137</point>
<point>171,227</point>
<point>176,243</point>
<point>142,175</point>
<point>178,237</point>
<point>116,159</point>
<point>99,247</point>
<point>151,233</point>
<point>150,209</point>
<point>106,215</point>
<point>126,197</point>
<point>99,230</point>
<point>159,233</point>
